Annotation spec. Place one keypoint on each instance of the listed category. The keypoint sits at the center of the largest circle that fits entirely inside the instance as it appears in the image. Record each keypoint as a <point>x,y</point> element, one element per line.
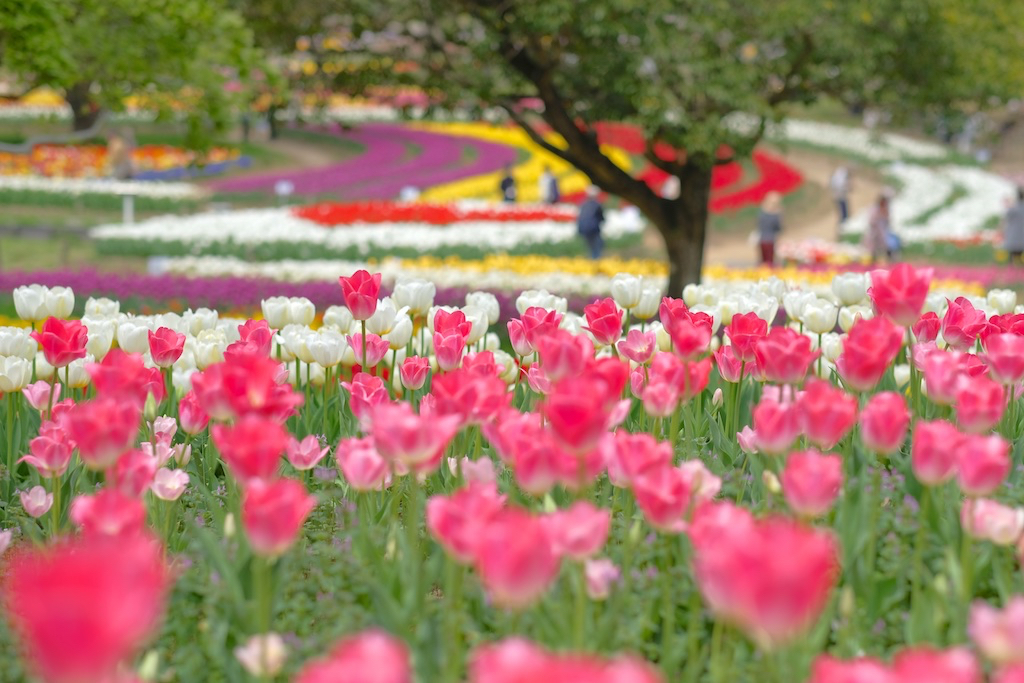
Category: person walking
<point>548,186</point>
<point>769,225</point>
<point>877,240</point>
<point>840,187</point>
<point>508,186</point>
<point>1013,230</point>
<point>589,223</point>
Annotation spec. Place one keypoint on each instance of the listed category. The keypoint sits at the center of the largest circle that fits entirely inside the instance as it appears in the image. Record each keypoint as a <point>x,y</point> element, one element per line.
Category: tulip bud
<point>150,666</point>
<point>716,398</point>
<point>229,525</point>
<point>149,409</point>
<point>847,603</point>
<point>901,373</point>
<point>771,482</point>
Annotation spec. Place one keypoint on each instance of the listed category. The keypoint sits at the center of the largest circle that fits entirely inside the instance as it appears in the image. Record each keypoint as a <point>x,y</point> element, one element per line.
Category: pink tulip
<point>1004,356</point>
<point>962,324</point>
<point>538,381</point>
<point>538,322</point>
<point>747,440</point>
<point>134,472</point>
<point>638,346</point>
<point>376,349</point>
<point>416,441</point>
<point>933,451</point>
<point>776,425</point>
<point>164,429</point>
<point>563,354</point>
<point>600,575</point>
<point>273,514</point>
<point>50,452</point>
<point>942,373</point>
<point>690,334</point>
<point>868,351</point>
<point>660,399</point>
<point>1009,674</point>
<point>449,347</point>
<point>368,657</point>
<point>363,467</point>
<point>628,455</point>
<point>36,501</point>
<point>827,669</point>
<point>988,520</point>
<point>108,512</point>
<point>604,321</point>
<point>191,415</point>
<point>165,346</point>
<point>729,365</point>
<point>103,429</point>
<point>256,336</point>
<point>515,560</point>
<point>125,376</point>
<point>169,484</point>
<point>926,329</point>
<point>458,522</point>
<point>580,531</point>
<point>360,291</point>
<point>481,470</point>
<point>578,411</point>
<point>827,414</point>
<point>38,395</point>
<point>246,384</point>
<point>744,332</point>
<point>956,665</point>
<point>664,496</point>
<point>884,422</point>
<point>983,463</point>
<point>980,402</point>
<point>413,372</point>
<point>900,292</point>
<point>517,337</point>
<point>999,634</point>
<point>251,448</point>
<point>474,398</point>
<point>305,454</point>
<point>784,356</point>
<point>366,393</point>
<point>454,321</point>
<point>702,483</point>
<point>61,341</point>
<point>515,660</point>
<point>811,482</point>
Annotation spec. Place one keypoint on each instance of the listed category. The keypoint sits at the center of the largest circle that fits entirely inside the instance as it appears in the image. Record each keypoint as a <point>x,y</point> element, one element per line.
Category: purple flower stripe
<point>384,169</point>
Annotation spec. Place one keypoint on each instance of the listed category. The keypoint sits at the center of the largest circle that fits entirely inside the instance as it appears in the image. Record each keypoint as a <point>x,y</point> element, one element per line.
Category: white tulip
<point>173,321</point>
<point>209,348</point>
<point>187,359</point>
<point>414,294</point>
<point>1002,300</point>
<point>75,374</point>
<point>764,306</point>
<point>729,307</point>
<point>850,288</point>
<point>275,311</point>
<point>279,349</point>
<point>17,341</point>
<point>831,346</point>
<point>901,373</point>
<point>626,290</point>
<point>133,336</point>
<point>326,347</point>
<point>541,299</point>
<point>339,317</point>
<point>492,342</point>
<point>486,302</point>
<point>692,294</point>
<point>100,337</point>
<point>647,307</point>
<point>297,338</point>
<point>311,373</point>
<point>30,303</point>
<point>384,318</point>
<point>794,303</point>
<point>716,343</point>
<point>661,336</point>
<point>60,301</point>
<point>400,334</point>
<point>773,287</point>
<point>823,368</point>
<point>15,374</point>
<point>262,655</point>
<point>201,319</point>
<point>101,308</point>
<point>509,369</point>
<point>301,310</point>
<point>936,303</point>
<point>820,316</point>
<point>849,315</point>
<point>43,369</point>
<point>478,317</point>
<point>572,323</point>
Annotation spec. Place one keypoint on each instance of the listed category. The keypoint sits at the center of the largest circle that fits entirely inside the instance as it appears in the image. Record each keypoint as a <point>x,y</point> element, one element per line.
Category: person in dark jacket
<point>589,223</point>
<point>508,186</point>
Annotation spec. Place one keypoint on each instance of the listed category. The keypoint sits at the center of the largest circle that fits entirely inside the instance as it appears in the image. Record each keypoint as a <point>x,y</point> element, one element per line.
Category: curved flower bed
<point>273,234</point>
<point>331,214</point>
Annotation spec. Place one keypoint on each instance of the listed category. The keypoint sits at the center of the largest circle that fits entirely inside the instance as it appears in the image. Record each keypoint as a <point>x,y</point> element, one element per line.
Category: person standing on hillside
<point>839,184</point>
<point>877,237</point>
<point>1013,230</point>
<point>769,225</point>
<point>548,186</point>
<point>589,223</point>
<point>508,186</point>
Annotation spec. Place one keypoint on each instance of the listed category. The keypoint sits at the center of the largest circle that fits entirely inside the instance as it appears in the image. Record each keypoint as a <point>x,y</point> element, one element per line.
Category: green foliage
<point>33,39</point>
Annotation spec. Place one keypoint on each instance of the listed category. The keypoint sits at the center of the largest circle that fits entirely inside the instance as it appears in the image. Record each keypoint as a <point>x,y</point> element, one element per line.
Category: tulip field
<point>810,481</point>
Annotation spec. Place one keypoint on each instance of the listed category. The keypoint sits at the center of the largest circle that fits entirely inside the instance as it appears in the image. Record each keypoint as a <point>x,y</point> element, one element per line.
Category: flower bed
<point>332,214</point>
<point>275,234</point>
<point>381,498</point>
<point>152,162</point>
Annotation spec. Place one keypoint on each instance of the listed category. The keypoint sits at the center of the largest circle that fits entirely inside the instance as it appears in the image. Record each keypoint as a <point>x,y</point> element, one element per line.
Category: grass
<point>66,250</point>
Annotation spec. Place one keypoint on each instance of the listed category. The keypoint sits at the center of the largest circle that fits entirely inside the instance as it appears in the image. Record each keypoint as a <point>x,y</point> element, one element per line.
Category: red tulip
<point>983,463</point>
<point>50,452</point>
<point>604,321</point>
<point>729,365</point>
<point>580,531</point>
<point>413,372</point>
<point>811,482</point>
<point>956,665</point>
<point>474,398</point>
<point>366,393</point>
<point>103,429</point>
<point>563,354</point>
<point>416,441</point>
<point>988,520</point>
<point>926,329</point>
<point>744,332</point>
<point>273,514</point>
<point>884,422</point>
<point>165,346</point>
<point>827,413</point>
<point>458,522</point>
<point>784,356</point>
<point>868,350</point>
<point>109,512</point>
<point>628,455</point>
<point>980,403</point>
<point>933,451</point>
<point>827,669</point>
<point>771,577</point>
<point>362,465</point>
<point>251,448</point>
<point>664,496</point>
<point>84,606</point>
<point>191,415</point>
<point>538,322</point>
<point>61,341</point>
<point>638,346</point>
<point>515,560</point>
<point>368,657</point>
<point>776,425</point>
<point>900,292</point>
<point>360,291</point>
<point>1004,356</point>
<point>962,324</point>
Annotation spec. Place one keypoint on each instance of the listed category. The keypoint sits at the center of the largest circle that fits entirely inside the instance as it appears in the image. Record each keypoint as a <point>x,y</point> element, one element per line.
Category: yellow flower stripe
<point>527,173</point>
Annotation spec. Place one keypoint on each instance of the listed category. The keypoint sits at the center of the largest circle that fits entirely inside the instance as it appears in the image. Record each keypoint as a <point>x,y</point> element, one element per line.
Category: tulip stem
<point>362,359</point>
<point>668,607</point>
<point>49,407</point>
<point>875,501</point>
<point>261,590</point>
<point>579,607</point>
<point>55,510</point>
<point>11,461</point>
<point>413,539</point>
<point>453,634</point>
<point>919,568</point>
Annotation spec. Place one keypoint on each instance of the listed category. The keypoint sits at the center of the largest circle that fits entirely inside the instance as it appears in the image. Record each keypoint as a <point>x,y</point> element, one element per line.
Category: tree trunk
<point>682,223</point>
<point>84,110</point>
